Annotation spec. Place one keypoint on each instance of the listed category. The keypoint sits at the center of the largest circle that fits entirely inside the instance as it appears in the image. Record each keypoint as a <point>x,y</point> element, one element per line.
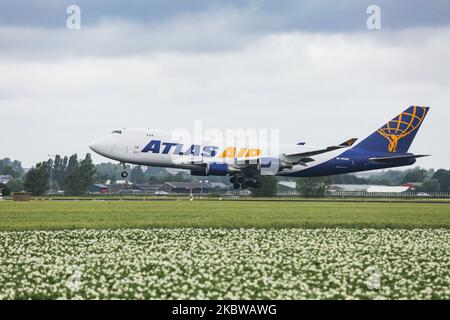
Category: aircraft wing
<point>288,159</point>
<point>304,157</point>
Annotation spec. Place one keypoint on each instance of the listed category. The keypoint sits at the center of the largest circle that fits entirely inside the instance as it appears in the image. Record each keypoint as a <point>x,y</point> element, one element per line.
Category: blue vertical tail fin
<point>397,135</point>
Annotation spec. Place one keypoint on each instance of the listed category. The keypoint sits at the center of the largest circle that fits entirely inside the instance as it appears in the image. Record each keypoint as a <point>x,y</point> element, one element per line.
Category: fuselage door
<point>135,150</point>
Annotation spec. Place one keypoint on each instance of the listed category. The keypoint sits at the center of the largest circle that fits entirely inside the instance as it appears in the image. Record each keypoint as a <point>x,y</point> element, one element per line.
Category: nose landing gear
<point>124,173</point>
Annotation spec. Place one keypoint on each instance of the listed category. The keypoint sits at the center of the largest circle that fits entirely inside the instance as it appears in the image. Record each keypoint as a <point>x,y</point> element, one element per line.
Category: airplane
<point>387,147</point>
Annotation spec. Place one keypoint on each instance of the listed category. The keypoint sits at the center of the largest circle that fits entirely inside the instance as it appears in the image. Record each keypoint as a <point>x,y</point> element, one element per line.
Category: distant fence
<point>288,194</point>
<point>132,192</point>
<point>406,194</point>
<point>237,193</point>
<point>292,193</point>
<point>365,194</point>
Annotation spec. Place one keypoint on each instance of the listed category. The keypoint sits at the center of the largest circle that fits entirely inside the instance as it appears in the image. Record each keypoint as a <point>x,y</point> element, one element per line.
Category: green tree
<point>137,175</point>
<point>73,162</point>
<point>268,187</point>
<point>5,191</point>
<point>178,177</point>
<point>389,177</point>
<point>429,185</point>
<point>59,170</point>
<point>415,175</point>
<point>87,171</point>
<point>72,176</point>
<point>154,180</point>
<point>36,180</point>
<point>8,170</point>
<point>443,176</point>
<point>348,178</point>
<point>15,185</point>
<point>155,171</point>
<point>108,171</point>
<point>80,176</point>
<point>13,168</point>
<point>313,187</point>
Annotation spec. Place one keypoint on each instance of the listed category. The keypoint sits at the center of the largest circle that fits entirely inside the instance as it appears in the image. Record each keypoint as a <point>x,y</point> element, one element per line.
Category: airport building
<point>193,187</point>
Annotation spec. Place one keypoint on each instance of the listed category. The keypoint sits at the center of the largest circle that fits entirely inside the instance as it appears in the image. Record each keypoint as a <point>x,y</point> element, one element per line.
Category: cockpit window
<point>117,131</point>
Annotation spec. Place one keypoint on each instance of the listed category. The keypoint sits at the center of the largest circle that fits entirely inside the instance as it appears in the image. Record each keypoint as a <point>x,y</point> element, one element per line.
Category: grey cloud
<point>36,29</point>
<point>204,32</point>
<point>307,67</point>
<point>283,15</point>
<point>318,87</point>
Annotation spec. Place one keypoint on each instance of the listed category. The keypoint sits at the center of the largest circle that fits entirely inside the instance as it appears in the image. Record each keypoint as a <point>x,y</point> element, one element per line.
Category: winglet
<point>348,143</point>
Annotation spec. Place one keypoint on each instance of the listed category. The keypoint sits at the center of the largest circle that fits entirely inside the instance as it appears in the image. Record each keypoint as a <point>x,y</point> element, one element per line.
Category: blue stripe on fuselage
<point>351,160</point>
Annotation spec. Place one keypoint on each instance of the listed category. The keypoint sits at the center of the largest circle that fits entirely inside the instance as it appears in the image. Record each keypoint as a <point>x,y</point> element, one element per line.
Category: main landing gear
<point>244,183</point>
<point>124,173</point>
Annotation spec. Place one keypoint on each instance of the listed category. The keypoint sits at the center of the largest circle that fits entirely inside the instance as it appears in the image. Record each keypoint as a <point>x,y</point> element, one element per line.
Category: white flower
<point>226,264</point>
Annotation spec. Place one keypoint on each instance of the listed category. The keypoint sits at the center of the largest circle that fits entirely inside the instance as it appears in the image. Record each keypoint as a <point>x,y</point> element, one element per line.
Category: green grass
<point>53,215</point>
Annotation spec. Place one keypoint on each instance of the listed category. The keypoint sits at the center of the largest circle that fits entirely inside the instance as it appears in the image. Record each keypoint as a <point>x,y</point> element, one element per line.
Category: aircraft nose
<point>102,146</point>
<point>94,145</point>
<point>99,145</point>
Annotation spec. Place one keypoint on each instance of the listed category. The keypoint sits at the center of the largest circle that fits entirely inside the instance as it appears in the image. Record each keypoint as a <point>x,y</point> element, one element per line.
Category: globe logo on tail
<point>402,125</point>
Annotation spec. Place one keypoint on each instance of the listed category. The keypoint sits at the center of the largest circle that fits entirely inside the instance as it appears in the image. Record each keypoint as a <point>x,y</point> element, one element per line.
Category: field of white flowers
<point>226,264</point>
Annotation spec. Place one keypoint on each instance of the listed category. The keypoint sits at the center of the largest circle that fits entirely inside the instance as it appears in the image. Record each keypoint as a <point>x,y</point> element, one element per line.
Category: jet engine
<point>215,169</point>
<point>268,166</point>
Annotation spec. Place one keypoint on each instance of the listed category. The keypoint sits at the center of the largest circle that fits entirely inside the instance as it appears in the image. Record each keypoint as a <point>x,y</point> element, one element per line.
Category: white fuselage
<point>163,149</point>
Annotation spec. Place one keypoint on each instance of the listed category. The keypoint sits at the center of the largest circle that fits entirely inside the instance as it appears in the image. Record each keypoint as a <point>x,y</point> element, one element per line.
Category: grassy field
<point>46,215</point>
<point>206,249</point>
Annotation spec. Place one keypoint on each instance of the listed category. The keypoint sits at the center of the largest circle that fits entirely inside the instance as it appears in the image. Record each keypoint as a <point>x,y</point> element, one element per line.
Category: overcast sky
<point>311,69</point>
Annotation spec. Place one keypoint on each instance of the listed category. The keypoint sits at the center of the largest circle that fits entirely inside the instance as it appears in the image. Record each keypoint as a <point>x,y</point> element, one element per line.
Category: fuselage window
<point>117,131</point>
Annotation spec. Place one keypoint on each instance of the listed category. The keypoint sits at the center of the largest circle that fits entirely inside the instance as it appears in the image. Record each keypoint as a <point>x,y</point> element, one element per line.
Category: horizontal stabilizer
<point>398,158</point>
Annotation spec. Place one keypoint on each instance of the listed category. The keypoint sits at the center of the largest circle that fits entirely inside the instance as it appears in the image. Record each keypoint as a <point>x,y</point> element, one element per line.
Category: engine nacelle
<point>215,169</point>
<point>268,166</point>
<point>218,169</point>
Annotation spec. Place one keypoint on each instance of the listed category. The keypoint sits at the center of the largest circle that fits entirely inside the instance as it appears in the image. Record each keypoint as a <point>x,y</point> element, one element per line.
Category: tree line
<point>62,173</point>
<point>424,180</point>
<point>75,176</point>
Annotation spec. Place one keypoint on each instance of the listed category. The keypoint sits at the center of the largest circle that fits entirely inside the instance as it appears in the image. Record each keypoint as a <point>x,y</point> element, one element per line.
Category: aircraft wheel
<point>124,174</point>
<point>233,179</point>
<point>236,185</point>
